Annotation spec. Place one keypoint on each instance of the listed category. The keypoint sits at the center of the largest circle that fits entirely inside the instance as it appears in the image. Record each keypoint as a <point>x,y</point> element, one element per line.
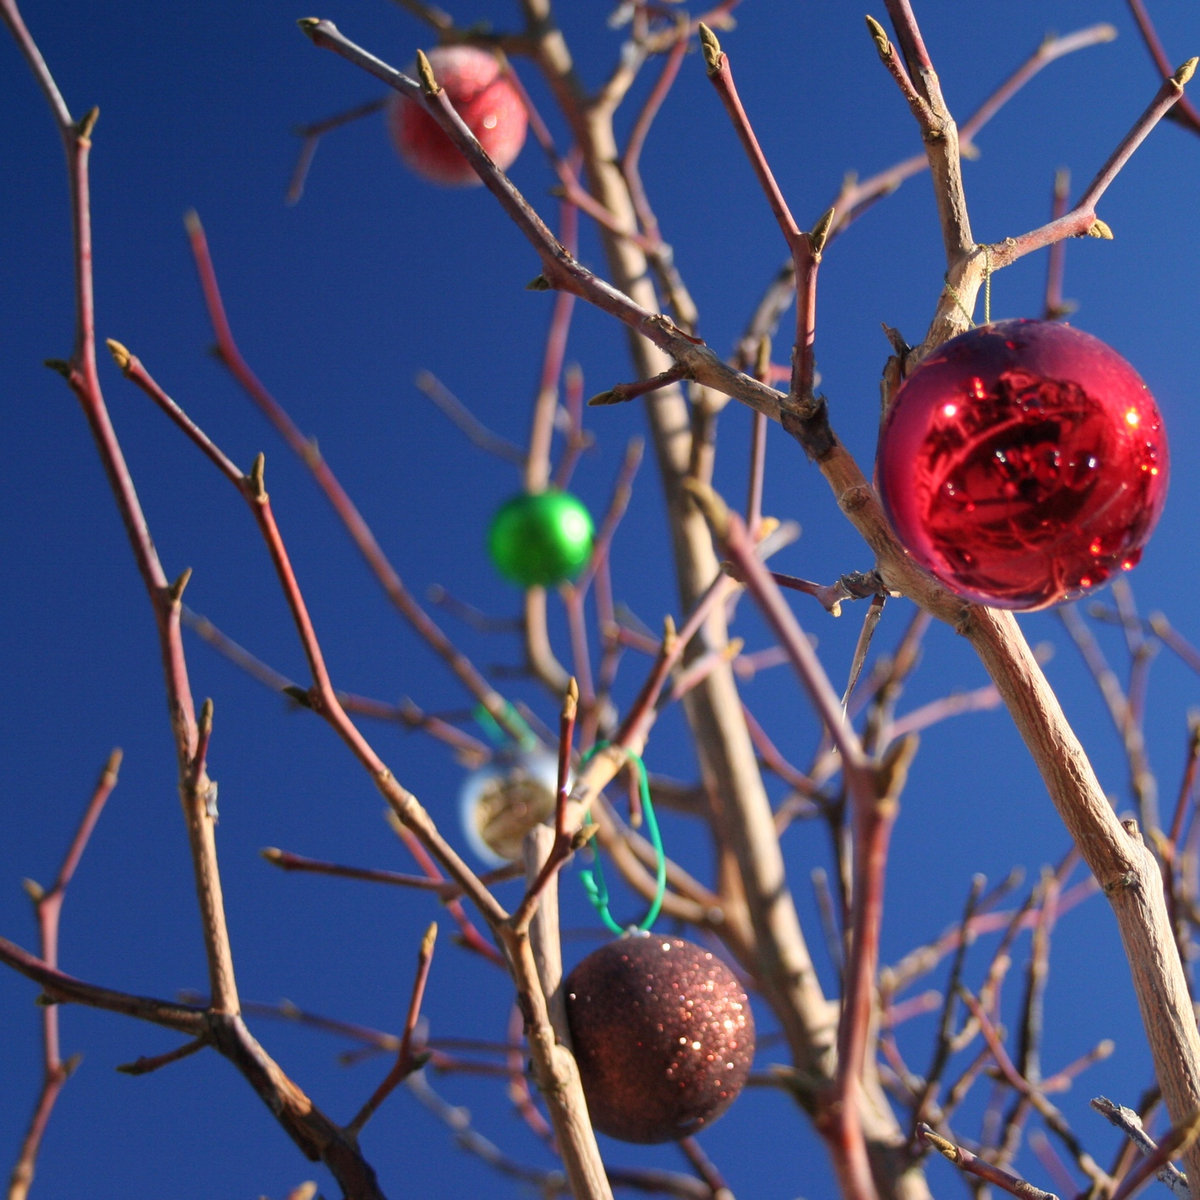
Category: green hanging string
<point>498,735</point>
<point>593,878</point>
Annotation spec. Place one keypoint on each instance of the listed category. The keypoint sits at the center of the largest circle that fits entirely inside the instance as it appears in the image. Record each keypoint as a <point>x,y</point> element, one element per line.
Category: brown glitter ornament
<point>663,1035</point>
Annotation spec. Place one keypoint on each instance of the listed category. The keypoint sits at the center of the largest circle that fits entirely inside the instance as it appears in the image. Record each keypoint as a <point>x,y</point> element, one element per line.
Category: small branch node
<point>820,232</point>
<point>582,836</point>
<point>258,485</point>
<point>300,695</point>
<point>670,634</point>
<point>175,590</point>
<point>715,511</point>
<point>88,121</point>
<point>893,770</point>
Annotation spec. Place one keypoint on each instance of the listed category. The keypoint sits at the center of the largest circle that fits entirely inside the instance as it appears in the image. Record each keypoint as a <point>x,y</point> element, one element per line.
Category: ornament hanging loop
<point>592,878</point>
<point>987,285</point>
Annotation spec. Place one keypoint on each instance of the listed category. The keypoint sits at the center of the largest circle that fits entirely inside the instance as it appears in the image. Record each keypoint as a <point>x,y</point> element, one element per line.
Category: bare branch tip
<point>879,35</point>
<point>429,85</point>
<point>257,476</point>
<point>308,25</point>
<point>429,939</point>
<point>939,1143</point>
<point>120,353</point>
<point>711,47</point>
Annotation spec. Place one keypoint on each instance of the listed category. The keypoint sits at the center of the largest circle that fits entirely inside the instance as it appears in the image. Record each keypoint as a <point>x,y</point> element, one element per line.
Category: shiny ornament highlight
<point>542,538</point>
<point>663,1035</point>
<point>1023,463</point>
<point>485,99</point>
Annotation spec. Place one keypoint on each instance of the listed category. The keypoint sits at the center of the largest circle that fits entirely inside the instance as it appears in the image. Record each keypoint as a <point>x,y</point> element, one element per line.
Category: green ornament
<point>541,539</point>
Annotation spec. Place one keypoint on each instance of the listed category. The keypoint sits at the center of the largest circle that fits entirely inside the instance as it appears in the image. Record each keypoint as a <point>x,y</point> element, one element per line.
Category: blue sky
<point>338,302</point>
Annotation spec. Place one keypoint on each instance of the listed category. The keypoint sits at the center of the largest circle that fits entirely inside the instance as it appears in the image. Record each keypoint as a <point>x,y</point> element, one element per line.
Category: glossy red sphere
<point>1023,463</point>
<point>663,1035</point>
<point>488,104</point>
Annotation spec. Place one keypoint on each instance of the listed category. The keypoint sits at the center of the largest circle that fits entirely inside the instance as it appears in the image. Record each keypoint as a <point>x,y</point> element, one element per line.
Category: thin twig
<point>355,525</point>
<point>1186,113</point>
<point>48,907</point>
<point>406,1062</point>
<point>1130,1124</point>
<point>312,134</point>
<point>982,1169</point>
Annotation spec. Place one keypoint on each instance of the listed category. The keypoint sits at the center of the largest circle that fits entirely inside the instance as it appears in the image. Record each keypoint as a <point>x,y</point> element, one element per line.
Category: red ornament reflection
<point>1023,463</point>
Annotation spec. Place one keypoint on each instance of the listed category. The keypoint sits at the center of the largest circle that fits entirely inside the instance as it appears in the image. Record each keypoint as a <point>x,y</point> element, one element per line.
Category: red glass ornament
<point>1023,463</point>
<point>663,1035</point>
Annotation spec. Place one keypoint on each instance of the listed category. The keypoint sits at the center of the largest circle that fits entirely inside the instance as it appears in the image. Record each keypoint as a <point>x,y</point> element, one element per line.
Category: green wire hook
<point>593,878</point>
<point>496,734</point>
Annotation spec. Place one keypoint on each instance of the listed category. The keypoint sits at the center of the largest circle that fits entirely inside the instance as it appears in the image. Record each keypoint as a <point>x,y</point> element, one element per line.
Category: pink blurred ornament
<point>485,99</point>
<point>1023,463</point>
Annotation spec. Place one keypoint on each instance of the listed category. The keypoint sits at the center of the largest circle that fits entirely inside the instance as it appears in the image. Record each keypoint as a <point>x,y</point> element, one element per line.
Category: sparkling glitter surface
<point>1023,463</point>
<point>663,1034</point>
